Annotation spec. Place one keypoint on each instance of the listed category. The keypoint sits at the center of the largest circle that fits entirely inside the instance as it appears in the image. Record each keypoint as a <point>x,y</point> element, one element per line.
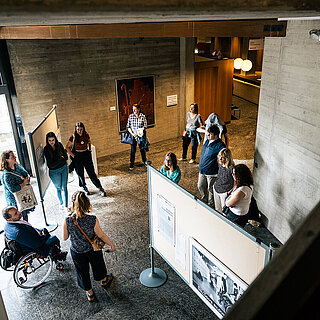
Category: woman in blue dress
<point>170,168</point>
<point>14,178</point>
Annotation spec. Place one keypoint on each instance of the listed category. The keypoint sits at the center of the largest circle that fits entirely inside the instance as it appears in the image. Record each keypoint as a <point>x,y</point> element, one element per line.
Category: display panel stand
<point>153,277</point>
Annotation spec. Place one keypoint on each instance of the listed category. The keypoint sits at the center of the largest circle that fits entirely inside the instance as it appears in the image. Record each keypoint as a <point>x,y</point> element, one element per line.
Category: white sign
<point>166,219</point>
<point>256,44</point>
<point>172,100</point>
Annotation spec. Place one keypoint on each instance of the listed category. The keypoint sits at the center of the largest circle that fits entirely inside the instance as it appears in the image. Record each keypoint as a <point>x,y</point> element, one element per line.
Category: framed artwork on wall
<point>130,91</point>
<point>217,286</point>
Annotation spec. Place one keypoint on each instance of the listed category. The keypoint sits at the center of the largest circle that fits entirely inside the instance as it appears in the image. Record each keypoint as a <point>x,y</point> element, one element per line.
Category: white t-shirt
<point>241,208</point>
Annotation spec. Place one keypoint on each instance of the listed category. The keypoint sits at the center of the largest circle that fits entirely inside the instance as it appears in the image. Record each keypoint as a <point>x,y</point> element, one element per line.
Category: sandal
<point>90,297</point>
<point>106,283</point>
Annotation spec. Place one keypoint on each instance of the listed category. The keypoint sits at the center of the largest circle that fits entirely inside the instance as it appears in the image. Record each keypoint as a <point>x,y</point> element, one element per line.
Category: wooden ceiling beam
<point>247,28</point>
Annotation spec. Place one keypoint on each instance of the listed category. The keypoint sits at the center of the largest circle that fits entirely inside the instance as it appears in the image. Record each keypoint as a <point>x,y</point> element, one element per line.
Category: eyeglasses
<point>221,157</point>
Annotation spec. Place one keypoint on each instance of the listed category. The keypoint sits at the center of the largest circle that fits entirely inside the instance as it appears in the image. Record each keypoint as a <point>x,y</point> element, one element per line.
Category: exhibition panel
<point>202,246</point>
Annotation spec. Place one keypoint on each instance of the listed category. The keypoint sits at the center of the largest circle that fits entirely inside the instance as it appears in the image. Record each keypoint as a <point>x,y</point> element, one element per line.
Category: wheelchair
<point>30,270</point>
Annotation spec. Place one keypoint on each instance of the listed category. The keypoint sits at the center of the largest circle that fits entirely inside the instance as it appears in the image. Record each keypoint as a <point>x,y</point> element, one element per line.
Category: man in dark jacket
<point>29,238</point>
<point>208,166</point>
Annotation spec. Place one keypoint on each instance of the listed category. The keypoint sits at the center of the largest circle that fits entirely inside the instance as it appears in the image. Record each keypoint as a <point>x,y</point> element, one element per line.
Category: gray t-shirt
<point>79,242</point>
<point>193,124</point>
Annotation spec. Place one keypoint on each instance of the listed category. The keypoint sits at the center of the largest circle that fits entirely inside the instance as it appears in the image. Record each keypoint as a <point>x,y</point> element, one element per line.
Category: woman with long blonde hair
<point>224,181</point>
<point>81,249</point>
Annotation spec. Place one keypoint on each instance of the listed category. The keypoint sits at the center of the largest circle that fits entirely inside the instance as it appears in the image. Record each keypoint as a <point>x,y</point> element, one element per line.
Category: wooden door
<point>213,87</point>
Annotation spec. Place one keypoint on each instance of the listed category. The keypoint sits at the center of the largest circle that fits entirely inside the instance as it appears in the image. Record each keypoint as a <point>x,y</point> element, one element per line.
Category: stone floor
<point>123,215</point>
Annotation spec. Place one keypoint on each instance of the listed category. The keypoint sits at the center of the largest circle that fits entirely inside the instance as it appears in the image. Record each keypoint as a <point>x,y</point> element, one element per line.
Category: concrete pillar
<point>186,78</point>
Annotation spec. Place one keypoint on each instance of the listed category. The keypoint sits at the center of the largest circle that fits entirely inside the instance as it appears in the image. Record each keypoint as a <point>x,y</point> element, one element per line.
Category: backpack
<point>254,215</point>
<point>8,258</point>
<point>10,255</point>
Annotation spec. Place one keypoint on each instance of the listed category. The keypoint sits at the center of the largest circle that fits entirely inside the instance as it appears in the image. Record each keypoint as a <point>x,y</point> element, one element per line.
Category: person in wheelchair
<point>29,238</point>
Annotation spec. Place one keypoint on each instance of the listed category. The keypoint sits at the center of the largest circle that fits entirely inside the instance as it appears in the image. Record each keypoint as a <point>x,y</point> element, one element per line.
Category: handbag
<point>25,198</point>
<point>126,137</point>
<point>97,243</point>
<point>71,165</point>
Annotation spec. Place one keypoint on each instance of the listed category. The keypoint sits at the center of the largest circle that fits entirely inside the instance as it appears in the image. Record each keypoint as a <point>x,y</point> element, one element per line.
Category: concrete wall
<point>79,77</point>
<point>287,180</point>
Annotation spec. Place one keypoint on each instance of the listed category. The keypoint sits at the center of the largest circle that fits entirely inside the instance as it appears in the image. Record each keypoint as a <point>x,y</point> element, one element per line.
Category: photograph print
<point>212,281</point>
<point>139,90</point>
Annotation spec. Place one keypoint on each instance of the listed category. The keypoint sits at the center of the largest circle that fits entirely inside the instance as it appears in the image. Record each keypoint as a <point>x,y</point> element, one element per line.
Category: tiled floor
<point>123,215</point>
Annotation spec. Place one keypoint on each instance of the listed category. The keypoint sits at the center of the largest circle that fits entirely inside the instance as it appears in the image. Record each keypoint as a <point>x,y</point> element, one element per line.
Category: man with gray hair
<point>29,238</point>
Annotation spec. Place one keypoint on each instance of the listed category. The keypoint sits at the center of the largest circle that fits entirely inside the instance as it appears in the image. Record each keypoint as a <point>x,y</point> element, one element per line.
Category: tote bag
<point>25,197</point>
<point>126,137</point>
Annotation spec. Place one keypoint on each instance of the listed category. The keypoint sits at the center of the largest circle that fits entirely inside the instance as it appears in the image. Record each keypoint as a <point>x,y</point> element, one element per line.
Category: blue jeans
<point>59,178</point>
<point>133,153</point>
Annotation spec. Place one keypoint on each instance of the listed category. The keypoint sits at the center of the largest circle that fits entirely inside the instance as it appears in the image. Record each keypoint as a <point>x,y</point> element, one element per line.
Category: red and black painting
<point>135,90</point>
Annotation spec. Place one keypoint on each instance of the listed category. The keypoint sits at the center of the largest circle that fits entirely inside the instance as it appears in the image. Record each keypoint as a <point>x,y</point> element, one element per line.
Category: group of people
<point>77,226</point>
<point>222,184</point>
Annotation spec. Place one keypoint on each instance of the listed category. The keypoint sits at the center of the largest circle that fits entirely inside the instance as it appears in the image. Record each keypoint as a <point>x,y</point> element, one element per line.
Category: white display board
<point>188,219</point>
<point>36,143</point>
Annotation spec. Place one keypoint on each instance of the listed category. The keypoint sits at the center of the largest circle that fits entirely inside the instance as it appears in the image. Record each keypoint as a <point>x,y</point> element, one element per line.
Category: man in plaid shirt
<point>137,125</point>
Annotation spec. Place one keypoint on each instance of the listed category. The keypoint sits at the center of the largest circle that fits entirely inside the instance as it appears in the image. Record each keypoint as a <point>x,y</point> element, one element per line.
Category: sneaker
<point>131,168</point>
<point>182,159</point>
<point>85,189</point>
<point>146,164</point>
<point>102,193</point>
<point>106,283</point>
<point>192,161</point>
<point>90,297</point>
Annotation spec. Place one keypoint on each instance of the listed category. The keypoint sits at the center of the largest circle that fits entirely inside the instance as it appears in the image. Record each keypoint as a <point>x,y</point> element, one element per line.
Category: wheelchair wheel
<point>32,270</point>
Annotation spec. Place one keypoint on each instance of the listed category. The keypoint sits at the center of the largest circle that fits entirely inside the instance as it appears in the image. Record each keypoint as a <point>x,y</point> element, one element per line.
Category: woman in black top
<point>56,157</point>
<point>81,249</point>
<point>79,148</point>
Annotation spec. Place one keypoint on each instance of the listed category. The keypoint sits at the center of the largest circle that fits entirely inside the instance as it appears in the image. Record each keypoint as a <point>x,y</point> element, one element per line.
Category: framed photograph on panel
<point>130,91</point>
<point>212,281</point>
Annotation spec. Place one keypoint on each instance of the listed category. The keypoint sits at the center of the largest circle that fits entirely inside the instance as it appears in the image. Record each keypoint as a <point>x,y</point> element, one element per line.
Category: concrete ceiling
<point>59,12</point>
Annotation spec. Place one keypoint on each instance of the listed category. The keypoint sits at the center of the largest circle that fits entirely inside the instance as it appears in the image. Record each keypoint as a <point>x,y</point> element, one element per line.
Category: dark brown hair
<point>57,146</point>
<point>196,108</point>
<point>173,158</point>
<point>242,175</point>
<point>5,155</point>
<point>80,125</point>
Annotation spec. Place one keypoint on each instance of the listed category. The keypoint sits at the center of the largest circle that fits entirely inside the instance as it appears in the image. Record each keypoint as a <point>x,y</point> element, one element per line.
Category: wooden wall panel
<point>213,87</point>
<point>250,28</point>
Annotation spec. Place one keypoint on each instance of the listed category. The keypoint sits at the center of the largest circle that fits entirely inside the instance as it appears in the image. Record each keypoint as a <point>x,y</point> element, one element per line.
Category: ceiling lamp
<point>246,65</point>
<point>238,63</point>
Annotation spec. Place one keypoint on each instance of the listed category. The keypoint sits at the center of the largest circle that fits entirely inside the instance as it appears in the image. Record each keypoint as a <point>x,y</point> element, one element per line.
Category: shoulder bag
<point>25,197</point>
<point>126,137</point>
<point>70,162</point>
<point>96,242</point>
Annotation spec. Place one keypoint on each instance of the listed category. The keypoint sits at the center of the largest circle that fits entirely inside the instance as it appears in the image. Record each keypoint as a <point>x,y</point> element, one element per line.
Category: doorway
<point>6,134</point>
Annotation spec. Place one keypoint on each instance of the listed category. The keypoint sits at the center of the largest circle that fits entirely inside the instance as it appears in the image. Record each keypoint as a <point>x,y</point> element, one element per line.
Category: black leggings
<point>185,144</point>
<point>83,160</point>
